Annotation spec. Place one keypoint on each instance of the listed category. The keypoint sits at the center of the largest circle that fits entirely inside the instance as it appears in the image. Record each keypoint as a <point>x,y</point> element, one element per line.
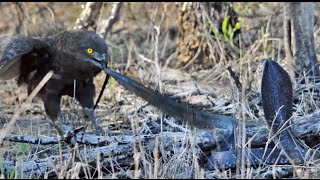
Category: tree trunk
<point>300,16</point>
<point>89,16</point>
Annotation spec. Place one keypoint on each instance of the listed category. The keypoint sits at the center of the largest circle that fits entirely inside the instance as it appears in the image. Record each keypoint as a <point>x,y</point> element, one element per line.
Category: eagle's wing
<point>12,49</point>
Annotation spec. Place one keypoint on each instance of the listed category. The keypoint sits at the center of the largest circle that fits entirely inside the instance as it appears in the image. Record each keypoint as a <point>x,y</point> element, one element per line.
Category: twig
<point>235,78</point>
<point>194,92</point>
<point>156,57</point>
<point>106,26</point>
<point>8,127</point>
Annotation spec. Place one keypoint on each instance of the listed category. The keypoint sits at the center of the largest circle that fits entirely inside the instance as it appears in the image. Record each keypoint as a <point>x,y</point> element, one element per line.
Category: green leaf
<point>224,25</point>
<point>238,25</point>
<point>12,174</point>
<point>230,32</point>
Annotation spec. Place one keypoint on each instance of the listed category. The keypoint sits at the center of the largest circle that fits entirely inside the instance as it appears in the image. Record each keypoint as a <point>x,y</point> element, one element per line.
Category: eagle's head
<point>85,46</point>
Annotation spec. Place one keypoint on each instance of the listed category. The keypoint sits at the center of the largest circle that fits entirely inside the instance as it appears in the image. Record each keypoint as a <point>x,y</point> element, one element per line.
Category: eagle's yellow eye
<point>89,51</point>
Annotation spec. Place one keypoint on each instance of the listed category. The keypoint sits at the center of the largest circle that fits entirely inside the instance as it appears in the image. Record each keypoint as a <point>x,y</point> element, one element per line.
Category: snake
<point>277,102</point>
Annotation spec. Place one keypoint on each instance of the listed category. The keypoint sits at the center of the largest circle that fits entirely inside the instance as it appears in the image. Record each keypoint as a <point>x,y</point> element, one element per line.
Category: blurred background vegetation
<point>215,44</point>
<point>173,47</point>
<point>184,27</point>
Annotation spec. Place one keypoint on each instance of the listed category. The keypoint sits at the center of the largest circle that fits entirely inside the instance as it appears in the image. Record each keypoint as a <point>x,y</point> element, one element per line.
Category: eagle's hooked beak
<point>99,60</point>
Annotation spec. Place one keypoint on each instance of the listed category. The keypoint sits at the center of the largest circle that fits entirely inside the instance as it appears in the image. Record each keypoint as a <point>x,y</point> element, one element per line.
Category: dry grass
<point>142,49</point>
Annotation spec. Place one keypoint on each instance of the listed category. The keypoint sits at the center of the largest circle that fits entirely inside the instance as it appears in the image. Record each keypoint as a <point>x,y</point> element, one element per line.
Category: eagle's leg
<point>51,103</point>
<point>85,92</point>
<point>89,114</point>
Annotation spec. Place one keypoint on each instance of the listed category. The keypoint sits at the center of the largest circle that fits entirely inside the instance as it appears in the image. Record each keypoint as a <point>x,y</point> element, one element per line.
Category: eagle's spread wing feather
<point>12,49</point>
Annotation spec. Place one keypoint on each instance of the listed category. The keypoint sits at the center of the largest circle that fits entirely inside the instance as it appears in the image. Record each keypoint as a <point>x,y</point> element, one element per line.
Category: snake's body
<point>277,103</point>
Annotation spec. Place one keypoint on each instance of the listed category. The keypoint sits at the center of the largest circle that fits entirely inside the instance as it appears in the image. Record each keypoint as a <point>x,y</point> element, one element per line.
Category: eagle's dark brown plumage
<point>30,59</point>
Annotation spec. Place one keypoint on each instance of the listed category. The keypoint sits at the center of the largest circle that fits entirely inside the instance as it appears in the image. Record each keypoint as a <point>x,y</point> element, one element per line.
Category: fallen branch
<point>120,147</point>
<point>204,139</point>
<point>307,128</point>
<point>37,168</point>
